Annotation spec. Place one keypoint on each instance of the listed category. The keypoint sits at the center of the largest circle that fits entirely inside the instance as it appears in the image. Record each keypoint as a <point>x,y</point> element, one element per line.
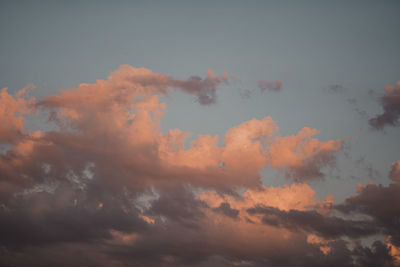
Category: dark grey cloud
<point>65,215</point>
<point>381,203</point>
<point>205,89</point>
<point>377,255</point>
<point>179,205</point>
<point>390,103</point>
<point>311,221</point>
<point>225,208</point>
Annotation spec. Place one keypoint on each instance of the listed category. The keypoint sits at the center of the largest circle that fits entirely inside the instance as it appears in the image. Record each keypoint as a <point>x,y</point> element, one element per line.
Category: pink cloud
<point>301,156</point>
<point>114,124</point>
<point>395,172</point>
<point>110,175</point>
<point>12,109</point>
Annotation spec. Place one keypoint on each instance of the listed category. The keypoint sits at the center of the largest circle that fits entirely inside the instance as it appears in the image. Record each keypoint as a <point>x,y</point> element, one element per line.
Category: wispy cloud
<point>274,86</point>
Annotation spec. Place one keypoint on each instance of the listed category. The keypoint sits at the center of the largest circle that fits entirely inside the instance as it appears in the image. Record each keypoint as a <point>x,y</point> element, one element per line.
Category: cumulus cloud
<point>395,171</point>
<point>275,86</point>
<point>301,156</point>
<point>391,108</point>
<point>12,109</point>
<point>104,179</point>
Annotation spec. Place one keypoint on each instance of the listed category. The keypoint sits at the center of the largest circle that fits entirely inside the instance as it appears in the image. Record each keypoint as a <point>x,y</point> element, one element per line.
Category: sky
<point>199,133</point>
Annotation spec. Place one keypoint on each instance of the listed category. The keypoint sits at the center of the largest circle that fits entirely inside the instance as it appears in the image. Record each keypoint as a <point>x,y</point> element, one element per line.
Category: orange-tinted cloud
<point>294,196</point>
<point>301,156</point>
<point>127,85</point>
<point>114,126</point>
<point>394,251</point>
<point>109,181</point>
<point>12,109</point>
<point>395,172</point>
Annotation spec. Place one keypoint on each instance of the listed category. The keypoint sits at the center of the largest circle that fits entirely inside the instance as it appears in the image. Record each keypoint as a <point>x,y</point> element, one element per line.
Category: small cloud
<point>245,93</point>
<point>336,89</point>
<point>390,103</point>
<point>353,101</point>
<point>275,86</point>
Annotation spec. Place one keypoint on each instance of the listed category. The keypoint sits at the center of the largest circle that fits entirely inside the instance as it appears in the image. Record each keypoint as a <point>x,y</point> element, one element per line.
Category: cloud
<point>294,196</point>
<point>275,86</point>
<point>126,83</point>
<point>225,208</point>
<point>204,89</point>
<point>391,108</point>
<point>47,218</point>
<point>301,156</point>
<point>328,227</point>
<point>12,109</point>
<point>395,172</point>
<point>104,179</point>
<point>336,89</point>
<point>377,202</point>
<point>114,126</point>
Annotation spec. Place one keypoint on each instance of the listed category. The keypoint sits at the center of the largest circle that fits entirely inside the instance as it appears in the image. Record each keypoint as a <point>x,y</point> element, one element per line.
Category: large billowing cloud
<point>107,181</point>
<point>391,108</point>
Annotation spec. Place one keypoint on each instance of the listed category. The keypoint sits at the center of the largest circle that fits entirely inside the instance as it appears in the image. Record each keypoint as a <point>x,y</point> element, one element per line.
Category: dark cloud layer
<point>380,203</point>
<point>311,221</point>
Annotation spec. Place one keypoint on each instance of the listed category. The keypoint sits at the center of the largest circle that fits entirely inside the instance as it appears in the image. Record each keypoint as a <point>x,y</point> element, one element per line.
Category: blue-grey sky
<point>334,59</point>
